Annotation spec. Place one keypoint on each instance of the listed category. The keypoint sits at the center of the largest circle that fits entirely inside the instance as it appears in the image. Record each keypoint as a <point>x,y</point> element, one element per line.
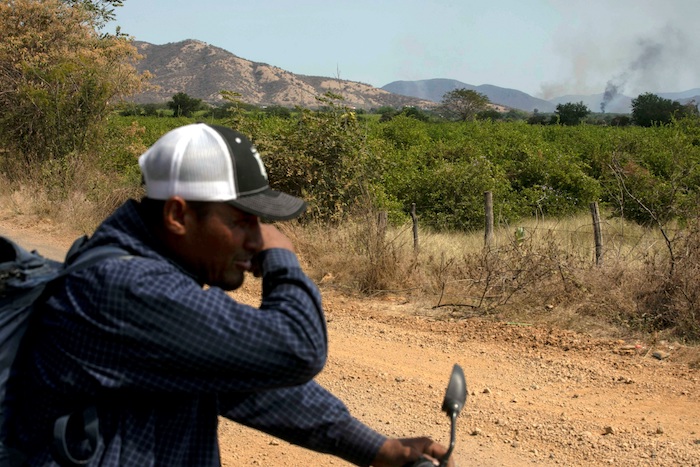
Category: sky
<point>546,48</point>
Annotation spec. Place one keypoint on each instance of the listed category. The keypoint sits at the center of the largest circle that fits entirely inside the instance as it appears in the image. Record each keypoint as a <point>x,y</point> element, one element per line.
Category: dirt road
<point>537,396</point>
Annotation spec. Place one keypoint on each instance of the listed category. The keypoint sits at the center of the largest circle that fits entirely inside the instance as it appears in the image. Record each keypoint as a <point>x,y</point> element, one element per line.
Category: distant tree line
<point>458,105</point>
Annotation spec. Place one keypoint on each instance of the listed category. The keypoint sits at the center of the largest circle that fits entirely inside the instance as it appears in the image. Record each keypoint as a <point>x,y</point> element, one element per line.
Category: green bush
<point>342,164</point>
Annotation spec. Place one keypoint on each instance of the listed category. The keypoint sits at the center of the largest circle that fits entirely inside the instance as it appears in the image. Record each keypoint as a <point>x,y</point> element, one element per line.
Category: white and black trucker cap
<point>201,162</point>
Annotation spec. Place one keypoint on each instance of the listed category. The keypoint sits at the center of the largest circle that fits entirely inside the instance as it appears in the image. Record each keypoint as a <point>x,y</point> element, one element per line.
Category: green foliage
<point>514,115</point>
<point>571,113</point>
<point>621,120</point>
<point>220,111</point>
<point>451,194</point>
<point>341,164</point>
<point>130,109</point>
<point>58,78</point>
<point>403,132</point>
<point>489,114</point>
<point>539,119</point>
<point>318,155</point>
<point>446,168</point>
<point>101,11</point>
<point>278,111</point>
<point>183,105</point>
<point>649,109</point>
<point>654,175</point>
<point>463,104</point>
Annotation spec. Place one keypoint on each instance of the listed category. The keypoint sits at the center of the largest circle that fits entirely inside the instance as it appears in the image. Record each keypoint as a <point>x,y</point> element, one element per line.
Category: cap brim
<point>271,204</point>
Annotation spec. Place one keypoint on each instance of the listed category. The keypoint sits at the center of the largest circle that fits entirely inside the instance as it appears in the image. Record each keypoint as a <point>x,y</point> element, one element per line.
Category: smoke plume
<point>656,58</point>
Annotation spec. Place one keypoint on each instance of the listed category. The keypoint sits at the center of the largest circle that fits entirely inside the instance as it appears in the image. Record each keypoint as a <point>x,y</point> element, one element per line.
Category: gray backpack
<point>25,279</point>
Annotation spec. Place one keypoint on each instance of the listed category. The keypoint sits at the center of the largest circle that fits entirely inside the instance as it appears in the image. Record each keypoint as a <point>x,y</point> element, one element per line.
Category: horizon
<point>554,99</point>
<point>544,48</point>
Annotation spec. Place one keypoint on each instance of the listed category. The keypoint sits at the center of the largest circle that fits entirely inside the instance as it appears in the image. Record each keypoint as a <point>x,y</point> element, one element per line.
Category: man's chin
<point>231,283</point>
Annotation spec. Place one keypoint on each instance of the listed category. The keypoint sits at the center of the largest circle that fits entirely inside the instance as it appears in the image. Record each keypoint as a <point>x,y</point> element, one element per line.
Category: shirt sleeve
<point>309,416</point>
<point>150,327</point>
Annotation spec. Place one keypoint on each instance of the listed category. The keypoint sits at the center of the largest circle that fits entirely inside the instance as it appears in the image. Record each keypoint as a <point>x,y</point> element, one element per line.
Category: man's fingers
<point>273,238</point>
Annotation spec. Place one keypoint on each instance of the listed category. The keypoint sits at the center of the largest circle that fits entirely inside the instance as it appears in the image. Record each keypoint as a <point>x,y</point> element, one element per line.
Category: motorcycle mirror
<point>456,393</point>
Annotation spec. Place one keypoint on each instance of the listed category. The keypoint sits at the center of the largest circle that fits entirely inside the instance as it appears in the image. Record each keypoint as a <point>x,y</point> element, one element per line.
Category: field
<point>576,353</point>
<point>539,394</point>
<point>569,362</point>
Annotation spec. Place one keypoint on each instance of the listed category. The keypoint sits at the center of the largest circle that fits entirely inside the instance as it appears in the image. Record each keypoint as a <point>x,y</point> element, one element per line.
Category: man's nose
<point>254,238</point>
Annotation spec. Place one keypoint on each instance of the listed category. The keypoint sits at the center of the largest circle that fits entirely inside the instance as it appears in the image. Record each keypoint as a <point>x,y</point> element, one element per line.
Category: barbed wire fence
<point>596,230</point>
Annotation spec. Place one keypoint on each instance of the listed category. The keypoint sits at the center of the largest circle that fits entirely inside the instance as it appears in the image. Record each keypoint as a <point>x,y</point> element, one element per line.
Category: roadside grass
<point>537,272</point>
<point>540,272</point>
<point>75,191</point>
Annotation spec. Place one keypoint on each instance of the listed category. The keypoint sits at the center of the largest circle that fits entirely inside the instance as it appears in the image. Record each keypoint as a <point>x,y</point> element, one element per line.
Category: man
<point>159,356</point>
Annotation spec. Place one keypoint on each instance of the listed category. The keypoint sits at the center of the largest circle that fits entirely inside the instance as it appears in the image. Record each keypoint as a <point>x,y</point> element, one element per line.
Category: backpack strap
<point>76,259</point>
<point>87,420</point>
<point>91,435</point>
<point>93,256</point>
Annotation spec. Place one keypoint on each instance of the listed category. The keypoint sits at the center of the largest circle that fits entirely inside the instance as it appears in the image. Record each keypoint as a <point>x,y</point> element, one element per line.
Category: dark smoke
<point>611,90</point>
<point>644,67</point>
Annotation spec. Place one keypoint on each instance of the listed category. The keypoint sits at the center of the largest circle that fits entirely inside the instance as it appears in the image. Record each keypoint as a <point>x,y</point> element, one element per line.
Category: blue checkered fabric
<point>162,357</point>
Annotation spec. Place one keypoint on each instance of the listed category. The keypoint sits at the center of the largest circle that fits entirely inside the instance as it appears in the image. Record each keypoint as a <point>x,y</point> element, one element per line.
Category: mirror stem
<point>453,438</point>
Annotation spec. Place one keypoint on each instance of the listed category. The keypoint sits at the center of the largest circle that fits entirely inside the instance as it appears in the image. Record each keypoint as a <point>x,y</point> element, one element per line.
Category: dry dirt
<point>537,396</point>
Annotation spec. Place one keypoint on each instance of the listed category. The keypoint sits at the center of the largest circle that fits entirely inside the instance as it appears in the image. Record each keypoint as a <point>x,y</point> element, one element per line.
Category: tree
<point>620,120</point>
<point>649,109</point>
<point>101,11</point>
<point>538,119</point>
<point>278,111</point>
<point>58,77</point>
<point>571,114</point>
<point>489,114</point>
<point>463,104</point>
<point>318,155</point>
<point>183,105</point>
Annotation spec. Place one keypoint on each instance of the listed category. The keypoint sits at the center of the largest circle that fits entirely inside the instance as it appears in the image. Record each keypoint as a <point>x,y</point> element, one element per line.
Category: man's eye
<point>243,223</point>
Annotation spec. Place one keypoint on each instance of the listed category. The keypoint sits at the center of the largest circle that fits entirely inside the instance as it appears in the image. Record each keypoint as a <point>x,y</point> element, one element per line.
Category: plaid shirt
<point>162,357</point>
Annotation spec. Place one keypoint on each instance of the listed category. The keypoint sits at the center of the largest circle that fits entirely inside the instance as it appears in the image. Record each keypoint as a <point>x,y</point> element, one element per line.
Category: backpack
<point>25,278</point>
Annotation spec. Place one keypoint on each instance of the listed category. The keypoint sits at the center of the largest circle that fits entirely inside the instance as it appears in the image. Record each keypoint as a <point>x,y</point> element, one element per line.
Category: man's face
<point>220,244</point>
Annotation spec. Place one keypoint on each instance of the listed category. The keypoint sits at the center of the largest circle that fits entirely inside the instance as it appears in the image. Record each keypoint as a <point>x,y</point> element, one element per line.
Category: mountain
<point>435,89</point>
<point>202,71</point>
<point>682,96</point>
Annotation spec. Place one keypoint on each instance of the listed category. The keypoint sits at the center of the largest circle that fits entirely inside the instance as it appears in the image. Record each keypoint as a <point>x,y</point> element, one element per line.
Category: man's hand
<point>400,452</point>
<point>273,238</point>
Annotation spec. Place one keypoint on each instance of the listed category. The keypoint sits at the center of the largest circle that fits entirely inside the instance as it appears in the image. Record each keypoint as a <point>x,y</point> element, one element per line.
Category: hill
<point>203,71</point>
<point>435,89</point>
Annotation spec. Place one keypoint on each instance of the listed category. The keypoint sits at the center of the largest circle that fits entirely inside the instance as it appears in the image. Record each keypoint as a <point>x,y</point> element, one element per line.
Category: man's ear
<point>175,215</point>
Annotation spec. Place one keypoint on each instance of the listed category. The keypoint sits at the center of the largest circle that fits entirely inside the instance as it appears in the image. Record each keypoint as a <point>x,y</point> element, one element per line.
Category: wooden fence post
<point>414,218</point>
<point>488,208</point>
<point>597,234</point>
<point>381,225</point>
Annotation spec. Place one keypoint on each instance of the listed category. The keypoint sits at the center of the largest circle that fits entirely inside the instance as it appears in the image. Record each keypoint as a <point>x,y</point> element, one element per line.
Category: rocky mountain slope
<point>203,71</point>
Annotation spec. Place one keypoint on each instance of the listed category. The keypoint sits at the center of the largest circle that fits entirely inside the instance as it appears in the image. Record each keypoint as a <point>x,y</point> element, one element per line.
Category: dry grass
<point>70,192</point>
<point>538,272</point>
<point>535,272</point>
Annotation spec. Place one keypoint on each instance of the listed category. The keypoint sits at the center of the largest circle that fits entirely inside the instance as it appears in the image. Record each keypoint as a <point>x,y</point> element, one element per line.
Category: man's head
<point>201,162</point>
<point>213,187</point>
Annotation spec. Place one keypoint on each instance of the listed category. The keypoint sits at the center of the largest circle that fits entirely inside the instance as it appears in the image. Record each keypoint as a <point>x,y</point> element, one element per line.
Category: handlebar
<point>423,462</point>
